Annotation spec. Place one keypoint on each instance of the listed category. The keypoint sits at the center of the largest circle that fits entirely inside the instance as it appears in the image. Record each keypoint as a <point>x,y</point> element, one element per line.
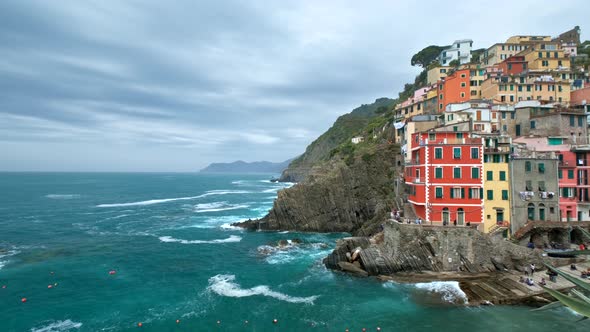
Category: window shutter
<point>470,193</point>
<point>481,193</point>
<point>452,194</point>
<point>462,192</point>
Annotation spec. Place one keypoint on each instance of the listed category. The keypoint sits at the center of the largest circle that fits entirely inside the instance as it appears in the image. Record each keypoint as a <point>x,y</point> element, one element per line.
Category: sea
<point>157,252</point>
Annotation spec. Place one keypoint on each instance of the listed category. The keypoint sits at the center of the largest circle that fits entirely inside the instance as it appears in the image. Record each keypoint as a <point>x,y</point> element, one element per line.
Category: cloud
<point>174,86</point>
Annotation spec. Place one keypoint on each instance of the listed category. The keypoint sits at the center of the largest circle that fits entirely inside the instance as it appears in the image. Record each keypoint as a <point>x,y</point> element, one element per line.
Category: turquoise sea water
<point>167,238</point>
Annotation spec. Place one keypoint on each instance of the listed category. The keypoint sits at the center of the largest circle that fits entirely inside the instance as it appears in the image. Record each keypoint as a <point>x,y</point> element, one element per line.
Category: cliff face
<point>342,195</point>
<point>343,129</point>
<point>415,248</point>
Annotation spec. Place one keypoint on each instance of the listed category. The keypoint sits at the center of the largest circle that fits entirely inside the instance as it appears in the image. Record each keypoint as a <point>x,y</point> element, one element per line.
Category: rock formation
<point>338,197</point>
<point>416,248</point>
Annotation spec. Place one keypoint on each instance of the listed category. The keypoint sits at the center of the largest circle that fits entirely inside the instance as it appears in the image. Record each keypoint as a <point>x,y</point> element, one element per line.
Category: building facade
<point>444,177</point>
<point>496,191</point>
<point>460,50</point>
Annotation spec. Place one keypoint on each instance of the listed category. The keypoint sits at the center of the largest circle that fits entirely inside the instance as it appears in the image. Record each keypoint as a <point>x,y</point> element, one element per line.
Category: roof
<point>540,144</point>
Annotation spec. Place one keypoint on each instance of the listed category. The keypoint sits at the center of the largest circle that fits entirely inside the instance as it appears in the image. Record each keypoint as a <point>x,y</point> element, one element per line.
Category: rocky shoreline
<point>487,268</point>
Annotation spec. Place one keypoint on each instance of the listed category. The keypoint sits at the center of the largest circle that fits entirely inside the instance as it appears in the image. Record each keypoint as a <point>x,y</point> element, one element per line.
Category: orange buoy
<point>111,272</point>
<point>178,321</point>
<point>274,321</point>
<point>23,300</point>
<point>346,330</point>
<point>140,324</point>
<point>378,328</point>
<point>49,286</point>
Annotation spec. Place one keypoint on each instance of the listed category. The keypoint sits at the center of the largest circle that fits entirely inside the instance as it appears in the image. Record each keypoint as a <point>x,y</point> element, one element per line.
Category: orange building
<point>453,89</point>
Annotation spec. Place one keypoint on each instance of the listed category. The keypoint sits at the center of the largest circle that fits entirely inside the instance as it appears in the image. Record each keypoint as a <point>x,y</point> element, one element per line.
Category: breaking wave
<point>59,326</point>
<point>6,254</point>
<point>166,200</point>
<point>449,290</point>
<point>224,285</point>
<point>232,238</point>
<point>218,206</point>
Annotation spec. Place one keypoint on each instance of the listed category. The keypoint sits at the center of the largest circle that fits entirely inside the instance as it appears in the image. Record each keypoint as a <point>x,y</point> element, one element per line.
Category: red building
<point>453,89</point>
<point>574,200</point>
<point>445,177</point>
<point>514,65</point>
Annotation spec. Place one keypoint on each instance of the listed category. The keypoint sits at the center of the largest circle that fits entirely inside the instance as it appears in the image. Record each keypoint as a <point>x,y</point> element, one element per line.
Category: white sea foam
<point>58,326</point>
<point>62,196</point>
<point>6,254</point>
<point>218,206</point>
<point>229,227</point>
<point>166,200</point>
<point>449,290</point>
<point>232,238</point>
<point>224,285</point>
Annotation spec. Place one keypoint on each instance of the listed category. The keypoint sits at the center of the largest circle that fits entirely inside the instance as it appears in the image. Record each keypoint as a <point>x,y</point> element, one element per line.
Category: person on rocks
<point>542,282</point>
<point>532,269</point>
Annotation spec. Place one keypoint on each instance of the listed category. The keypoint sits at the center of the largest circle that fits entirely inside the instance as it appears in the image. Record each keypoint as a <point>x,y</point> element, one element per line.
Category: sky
<point>114,85</point>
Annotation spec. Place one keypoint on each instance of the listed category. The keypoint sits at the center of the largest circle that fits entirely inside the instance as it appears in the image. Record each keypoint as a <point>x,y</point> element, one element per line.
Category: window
<point>527,166</point>
<point>490,195</point>
<point>438,192</point>
<point>529,185</point>
<point>540,55</point>
<point>541,167</point>
<point>456,172</point>
<point>529,87</point>
<point>502,176</point>
<point>490,175</point>
<point>511,87</point>
<point>474,193</point>
<point>438,153</point>
<point>580,121</point>
<point>548,54</point>
<point>474,153</point>
<point>570,173</point>
<point>457,193</point>
<point>463,76</point>
<point>462,94</point>
<point>457,153</point>
<point>520,88</point>
<point>511,98</point>
<point>560,173</point>
<point>509,66</point>
<point>542,186</point>
<point>555,55</point>
<point>455,128</point>
<point>438,173</point>
<point>503,115</point>
<point>431,136</point>
<point>532,124</point>
<point>504,195</point>
<point>572,120</point>
<point>463,84</point>
<point>474,173</point>
<point>559,88</point>
<point>459,135</point>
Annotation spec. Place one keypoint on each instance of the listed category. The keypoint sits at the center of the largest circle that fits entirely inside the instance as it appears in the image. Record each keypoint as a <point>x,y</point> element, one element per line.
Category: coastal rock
<point>415,249</point>
<point>351,268</point>
<point>336,197</point>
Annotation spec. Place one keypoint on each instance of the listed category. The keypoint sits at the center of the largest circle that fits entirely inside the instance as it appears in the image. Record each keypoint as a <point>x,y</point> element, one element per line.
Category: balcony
<point>498,150</point>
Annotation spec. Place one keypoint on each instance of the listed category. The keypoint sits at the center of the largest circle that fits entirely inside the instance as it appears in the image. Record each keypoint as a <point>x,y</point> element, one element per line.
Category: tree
<point>426,56</point>
<point>455,63</point>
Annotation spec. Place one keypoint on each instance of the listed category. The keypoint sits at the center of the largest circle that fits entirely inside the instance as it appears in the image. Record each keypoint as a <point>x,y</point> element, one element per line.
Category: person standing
<point>532,269</point>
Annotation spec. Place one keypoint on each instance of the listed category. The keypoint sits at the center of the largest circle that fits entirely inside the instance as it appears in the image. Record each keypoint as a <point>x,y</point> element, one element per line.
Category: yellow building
<point>476,78</point>
<point>545,56</point>
<point>527,39</point>
<point>496,183</point>
<point>534,86</point>
<point>500,52</point>
<point>433,75</point>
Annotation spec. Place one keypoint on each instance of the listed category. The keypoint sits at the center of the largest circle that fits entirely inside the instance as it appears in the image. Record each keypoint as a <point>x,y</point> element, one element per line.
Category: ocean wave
<point>449,290</point>
<point>166,200</point>
<point>228,226</point>
<point>62,196</point>
<point>4,254</point>
<point>58,326</point>
<point>232,238</point>
<point>224,285</point>
<point>218,206</point>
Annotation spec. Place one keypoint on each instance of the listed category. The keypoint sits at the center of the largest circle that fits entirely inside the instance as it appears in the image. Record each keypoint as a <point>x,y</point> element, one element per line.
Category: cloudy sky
<point>174,85</point>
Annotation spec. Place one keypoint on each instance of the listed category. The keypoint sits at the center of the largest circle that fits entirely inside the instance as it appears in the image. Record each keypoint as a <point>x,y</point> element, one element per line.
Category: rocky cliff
<point>351,193</point>
<point>420,248</point>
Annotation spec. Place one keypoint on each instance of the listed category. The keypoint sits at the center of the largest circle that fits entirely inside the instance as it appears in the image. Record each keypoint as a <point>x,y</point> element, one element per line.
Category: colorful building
<point>454,88</point>
<point>444,177</point>
<point>514,65</point>
<point>435,74</point>
<point>496,191</point>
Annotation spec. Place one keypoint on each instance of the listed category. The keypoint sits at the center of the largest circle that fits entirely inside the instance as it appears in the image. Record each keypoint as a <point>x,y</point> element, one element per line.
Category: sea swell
<point>58,326</point>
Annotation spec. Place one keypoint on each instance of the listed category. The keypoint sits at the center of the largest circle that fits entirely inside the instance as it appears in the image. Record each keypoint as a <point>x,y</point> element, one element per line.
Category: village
<point>500,142</point>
